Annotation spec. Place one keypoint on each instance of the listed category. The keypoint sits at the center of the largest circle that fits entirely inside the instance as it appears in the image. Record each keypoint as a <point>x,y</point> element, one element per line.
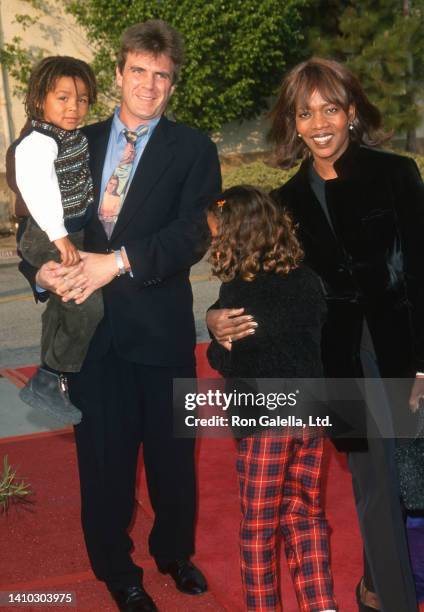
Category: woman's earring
<point>350,126</point>
<point>299,135</point>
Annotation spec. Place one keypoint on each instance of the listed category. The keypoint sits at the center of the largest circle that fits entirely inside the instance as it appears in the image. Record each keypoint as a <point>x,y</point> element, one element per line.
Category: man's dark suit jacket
<point>149,318</point>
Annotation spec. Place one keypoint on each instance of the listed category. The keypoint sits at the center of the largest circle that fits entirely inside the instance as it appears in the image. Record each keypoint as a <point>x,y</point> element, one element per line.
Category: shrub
<point>259,173</point>
<point>12,489</point>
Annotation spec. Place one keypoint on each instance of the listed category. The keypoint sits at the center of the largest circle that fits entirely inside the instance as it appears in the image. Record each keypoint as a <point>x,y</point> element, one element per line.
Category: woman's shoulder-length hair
<point>337,84</point>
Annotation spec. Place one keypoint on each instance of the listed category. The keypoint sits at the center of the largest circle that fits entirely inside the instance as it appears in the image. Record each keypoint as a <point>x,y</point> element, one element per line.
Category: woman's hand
<point>229,324</point>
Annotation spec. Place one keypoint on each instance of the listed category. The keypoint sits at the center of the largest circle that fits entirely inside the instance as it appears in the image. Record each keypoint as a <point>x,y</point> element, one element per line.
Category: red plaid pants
<point>279,478</point>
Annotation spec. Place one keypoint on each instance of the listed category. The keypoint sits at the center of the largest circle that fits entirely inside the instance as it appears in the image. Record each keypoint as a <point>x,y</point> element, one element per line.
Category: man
<point>141,255</point>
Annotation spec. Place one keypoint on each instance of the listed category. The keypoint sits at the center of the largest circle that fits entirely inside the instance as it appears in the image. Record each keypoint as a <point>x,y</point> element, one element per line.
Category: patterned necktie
<point>117,185</point>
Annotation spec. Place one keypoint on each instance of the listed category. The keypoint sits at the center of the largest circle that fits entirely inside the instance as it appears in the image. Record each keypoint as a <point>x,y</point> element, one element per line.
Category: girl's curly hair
<point>254,234</point>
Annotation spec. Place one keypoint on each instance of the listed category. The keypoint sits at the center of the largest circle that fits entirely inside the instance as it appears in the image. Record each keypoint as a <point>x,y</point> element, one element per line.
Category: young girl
<point>257,256</point>
<point>49,171</point>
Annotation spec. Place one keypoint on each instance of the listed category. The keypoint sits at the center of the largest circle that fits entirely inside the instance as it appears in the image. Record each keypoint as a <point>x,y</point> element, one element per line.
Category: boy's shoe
<point>49,391</point>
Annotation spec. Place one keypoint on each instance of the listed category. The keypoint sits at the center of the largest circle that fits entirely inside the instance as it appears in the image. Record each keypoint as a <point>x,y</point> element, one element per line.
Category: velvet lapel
<point>309,213</point>
<point>156,157</point>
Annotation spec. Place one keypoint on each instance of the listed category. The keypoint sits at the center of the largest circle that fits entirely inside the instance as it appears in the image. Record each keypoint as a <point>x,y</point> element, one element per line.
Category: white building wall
<point>55,32</point>
<point>245,137</point>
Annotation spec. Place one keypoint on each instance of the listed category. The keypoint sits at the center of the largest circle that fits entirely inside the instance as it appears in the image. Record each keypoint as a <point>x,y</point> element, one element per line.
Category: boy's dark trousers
<point>67,328</point>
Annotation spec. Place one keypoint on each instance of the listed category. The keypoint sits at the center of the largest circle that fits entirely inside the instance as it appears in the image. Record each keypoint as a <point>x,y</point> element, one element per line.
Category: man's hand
<point>229,324</point>
<point>417,393</point>
<point>59,279</point>
<point>99,270</point>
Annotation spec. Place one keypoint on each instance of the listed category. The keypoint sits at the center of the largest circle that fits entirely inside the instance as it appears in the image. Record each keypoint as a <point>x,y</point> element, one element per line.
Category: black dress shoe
<point>133,599</point>
<point>188,578</point>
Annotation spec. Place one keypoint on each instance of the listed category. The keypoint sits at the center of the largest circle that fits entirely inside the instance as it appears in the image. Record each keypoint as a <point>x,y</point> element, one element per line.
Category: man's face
<point>146,84</point>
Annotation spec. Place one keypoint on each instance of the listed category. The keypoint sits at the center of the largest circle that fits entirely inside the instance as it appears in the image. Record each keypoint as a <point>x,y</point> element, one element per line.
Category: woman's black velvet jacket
<point>372,262</point>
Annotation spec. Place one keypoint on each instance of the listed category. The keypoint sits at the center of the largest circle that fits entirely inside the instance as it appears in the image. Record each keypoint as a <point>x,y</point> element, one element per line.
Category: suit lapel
<point>155,159</point>
<point>98,148</point>
<point>98,141</point>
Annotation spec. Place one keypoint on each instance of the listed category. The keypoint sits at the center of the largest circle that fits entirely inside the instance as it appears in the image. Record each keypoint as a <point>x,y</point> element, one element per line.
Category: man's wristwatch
<point>120,263</point>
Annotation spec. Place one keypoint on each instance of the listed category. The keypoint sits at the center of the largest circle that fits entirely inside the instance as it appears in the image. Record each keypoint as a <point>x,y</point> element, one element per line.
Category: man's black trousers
<point>125,404</point>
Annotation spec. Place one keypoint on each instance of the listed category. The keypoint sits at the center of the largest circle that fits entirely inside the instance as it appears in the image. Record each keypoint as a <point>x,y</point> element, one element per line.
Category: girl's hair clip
<point>221,204</point>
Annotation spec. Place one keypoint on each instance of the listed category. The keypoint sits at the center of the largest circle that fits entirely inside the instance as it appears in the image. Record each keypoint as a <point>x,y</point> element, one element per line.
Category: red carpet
<point>42,547</point>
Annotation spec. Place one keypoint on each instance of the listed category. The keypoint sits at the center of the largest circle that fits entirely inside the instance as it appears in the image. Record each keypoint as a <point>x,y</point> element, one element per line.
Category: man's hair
<point>254,235</point>
<point>45,75</point>
<point>337,85</point>
<point>152,36</point>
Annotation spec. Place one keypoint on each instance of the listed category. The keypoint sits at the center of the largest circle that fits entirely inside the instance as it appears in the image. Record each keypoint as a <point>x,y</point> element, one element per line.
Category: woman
<point>360,213</point>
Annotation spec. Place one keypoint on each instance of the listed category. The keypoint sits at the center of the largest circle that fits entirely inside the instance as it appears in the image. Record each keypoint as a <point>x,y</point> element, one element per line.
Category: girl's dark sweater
<point>290,311</point>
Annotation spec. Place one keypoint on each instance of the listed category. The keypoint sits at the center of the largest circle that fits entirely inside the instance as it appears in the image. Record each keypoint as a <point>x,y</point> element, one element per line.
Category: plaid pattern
<point>279,479</point>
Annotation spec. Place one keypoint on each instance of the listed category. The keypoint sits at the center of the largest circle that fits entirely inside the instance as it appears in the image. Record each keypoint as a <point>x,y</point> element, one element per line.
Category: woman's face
<point>324,127</point>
